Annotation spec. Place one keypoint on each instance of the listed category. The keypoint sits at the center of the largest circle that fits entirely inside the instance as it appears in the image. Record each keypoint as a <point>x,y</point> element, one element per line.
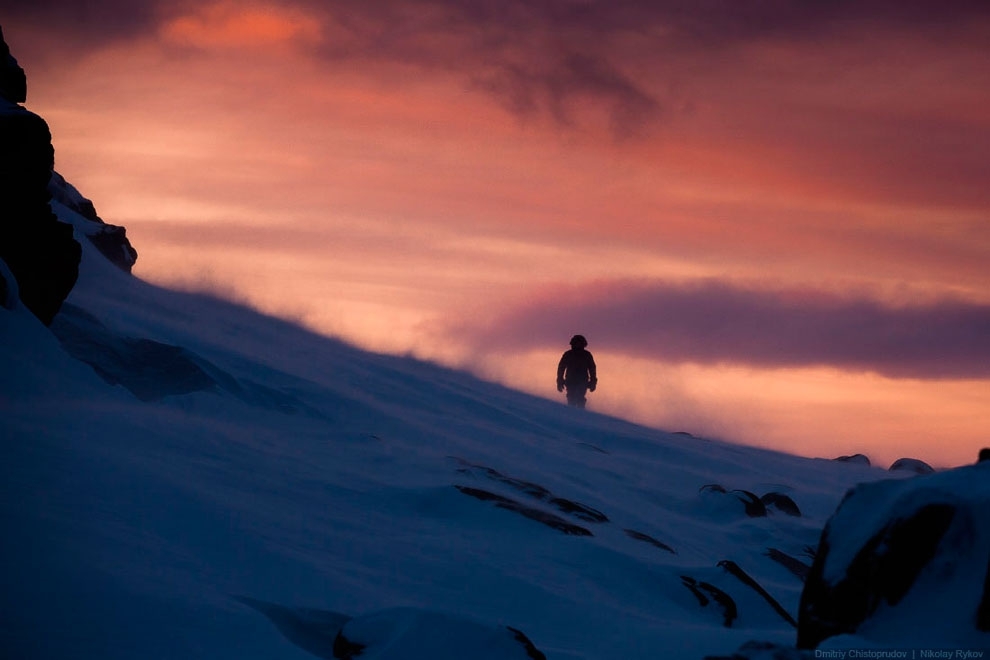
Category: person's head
<point>984,455</point>
<point>578,341</point>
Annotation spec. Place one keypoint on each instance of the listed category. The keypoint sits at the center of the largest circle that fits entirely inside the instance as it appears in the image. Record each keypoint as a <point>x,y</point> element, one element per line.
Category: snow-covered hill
<point>186,478</point>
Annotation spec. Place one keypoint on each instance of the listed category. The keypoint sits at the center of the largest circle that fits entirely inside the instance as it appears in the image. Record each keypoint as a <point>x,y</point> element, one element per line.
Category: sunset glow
<point>772,224</point>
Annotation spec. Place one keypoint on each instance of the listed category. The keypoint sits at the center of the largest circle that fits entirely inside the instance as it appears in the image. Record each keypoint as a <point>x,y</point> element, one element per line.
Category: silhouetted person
<point>576,371</point>
<point>984,455</point>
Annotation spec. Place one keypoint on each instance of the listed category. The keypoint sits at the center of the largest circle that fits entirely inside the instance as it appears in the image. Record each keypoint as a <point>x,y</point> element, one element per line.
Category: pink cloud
<point>227,24</point>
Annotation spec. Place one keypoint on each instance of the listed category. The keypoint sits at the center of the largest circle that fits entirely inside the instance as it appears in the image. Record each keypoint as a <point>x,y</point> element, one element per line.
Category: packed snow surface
<point>184,477</point>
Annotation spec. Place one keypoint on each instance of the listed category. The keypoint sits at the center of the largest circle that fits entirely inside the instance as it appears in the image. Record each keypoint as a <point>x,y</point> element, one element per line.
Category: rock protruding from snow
<point>646,538</point>
<point>901,551</point>
<point>782,503</point>
<point>717,497</point>
<point>39,250</point>
<point>545,517</point>
<point>110,240</point>
<point>707,593</point>
<point>911,465</point>
<point>13,82</point>
<point>856,459</point>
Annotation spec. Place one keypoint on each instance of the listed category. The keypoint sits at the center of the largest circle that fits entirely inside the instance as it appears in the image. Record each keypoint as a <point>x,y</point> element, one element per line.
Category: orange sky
<point>772,223</point>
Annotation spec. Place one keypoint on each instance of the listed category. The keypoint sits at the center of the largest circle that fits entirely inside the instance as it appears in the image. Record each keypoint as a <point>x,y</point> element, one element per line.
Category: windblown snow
<point>184,477</point>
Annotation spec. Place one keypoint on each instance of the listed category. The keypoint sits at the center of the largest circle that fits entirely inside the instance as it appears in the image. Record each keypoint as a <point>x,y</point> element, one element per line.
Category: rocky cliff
<point>40,251</point>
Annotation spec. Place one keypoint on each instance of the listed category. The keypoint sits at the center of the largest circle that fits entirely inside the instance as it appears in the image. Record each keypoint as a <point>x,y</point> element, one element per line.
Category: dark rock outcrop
<point>39,250</point>
<point>345,649</point>
<point>646,538</point>
<point>856,459</point>
<point>13,82</point>
<point>536,491</point>
<point>911,465</point>
<point>110,240</point>
<point>751,504</point>
<point>509,504</point>
<point>532,652</point>
<point>797,567</point>
<point>152,370</point>
<point>782,503</point>
<point>706,593</point>
<point>736,571</point>
<point>314,631</point>
<point>912,548</point>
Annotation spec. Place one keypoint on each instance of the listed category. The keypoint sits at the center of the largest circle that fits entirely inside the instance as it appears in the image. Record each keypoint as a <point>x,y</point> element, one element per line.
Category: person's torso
<point>579,364</point>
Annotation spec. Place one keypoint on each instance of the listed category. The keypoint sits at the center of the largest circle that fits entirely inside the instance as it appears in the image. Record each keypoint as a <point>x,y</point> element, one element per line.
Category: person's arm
<point>561,368</point>
<point>592,373</point>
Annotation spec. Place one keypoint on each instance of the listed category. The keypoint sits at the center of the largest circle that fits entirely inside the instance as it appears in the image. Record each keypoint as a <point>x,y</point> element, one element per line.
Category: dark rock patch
<point>592,447</point>
<point>794,565</point>
<point>150,370</point>
<point>345,649</point>
<point>646,538</point>
<point>782,503</point>
<point>536,491</point>
<point>754,506</point>
<point>13,82</point>
<point>856,459</point>
<point>911,465</point>
<point>110,240</point>
<point>883,570</point>
<point>153,370</point>
<point>314,631</point>
<point>692,586</point>
<point>578,510</point>
<point>531,650</point>
<point>544,517</point>
<point>734,569</point>
<point>702,591</point>
<point>39,250</point>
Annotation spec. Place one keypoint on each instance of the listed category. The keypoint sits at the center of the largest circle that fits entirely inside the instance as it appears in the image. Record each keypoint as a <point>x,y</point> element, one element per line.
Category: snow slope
<point>247,489</point>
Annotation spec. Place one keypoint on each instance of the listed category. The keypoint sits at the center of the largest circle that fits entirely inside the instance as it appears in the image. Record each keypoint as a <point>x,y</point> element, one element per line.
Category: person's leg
<point>575,396</point>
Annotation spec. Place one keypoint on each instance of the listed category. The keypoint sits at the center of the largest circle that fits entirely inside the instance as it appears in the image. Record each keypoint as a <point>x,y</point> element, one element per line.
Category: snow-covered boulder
<point>855,459</point>
<point>904,562</point>
<point>911,465</point>
<point>110,240</point>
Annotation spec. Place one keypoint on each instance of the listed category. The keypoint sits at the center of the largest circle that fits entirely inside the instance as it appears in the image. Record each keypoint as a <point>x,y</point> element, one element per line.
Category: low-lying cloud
<point>716,322</point>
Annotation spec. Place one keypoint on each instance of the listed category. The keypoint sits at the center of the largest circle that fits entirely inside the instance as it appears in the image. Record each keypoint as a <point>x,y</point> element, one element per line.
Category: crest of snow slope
<point>303,485</point>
